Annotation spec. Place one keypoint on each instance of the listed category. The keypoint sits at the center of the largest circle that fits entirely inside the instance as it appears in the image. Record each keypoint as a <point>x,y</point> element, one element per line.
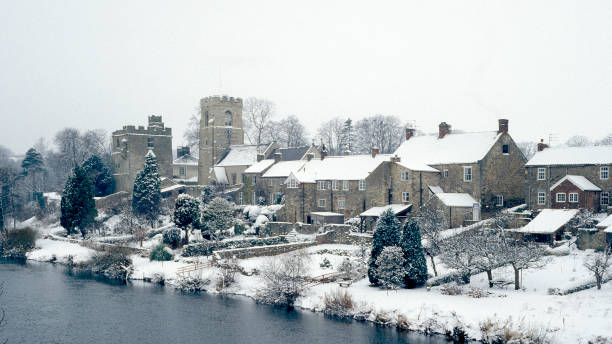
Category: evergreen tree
<point>99,175</point>
<point>218,215</point>
<point>347,135</point>
<point>33,166</point>
<point>78,208</point>
<point>147,195</point>
<point>186,214</point>
<point>415,266</point>
<point>390,268</point>
<point>386,233</point>
<point>208,194</point>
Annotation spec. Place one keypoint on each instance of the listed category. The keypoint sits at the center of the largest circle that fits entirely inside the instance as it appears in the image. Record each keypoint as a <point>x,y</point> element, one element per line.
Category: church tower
<point>220,127</point>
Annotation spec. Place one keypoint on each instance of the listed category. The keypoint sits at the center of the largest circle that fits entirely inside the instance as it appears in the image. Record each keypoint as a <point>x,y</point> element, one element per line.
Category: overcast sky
<point>545,65</point>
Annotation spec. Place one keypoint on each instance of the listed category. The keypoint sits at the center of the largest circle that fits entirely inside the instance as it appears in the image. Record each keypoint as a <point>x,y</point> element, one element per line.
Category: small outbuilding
<point>321,218</point>
<point>370,216</point>
<point>548,225</point>
<point>459,208</point>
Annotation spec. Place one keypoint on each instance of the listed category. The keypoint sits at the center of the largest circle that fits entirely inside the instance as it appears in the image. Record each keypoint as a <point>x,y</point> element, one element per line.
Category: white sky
<point>545,65</point>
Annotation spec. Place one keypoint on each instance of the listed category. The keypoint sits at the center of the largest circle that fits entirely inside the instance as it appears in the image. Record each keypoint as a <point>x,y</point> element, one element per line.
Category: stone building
<point>185,166</point>
<point>549,165</point>
<point>131,144</point>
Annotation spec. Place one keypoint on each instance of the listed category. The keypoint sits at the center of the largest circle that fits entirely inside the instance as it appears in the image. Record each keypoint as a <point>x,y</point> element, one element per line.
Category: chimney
<point>260,157</point>
<point>181,151</point>
<point>395,158</point>
<point>409,133</point>
<point>502,126</point>
<point>278,156</point>
<point>323,151</point>
<point>443,129</point>
<point>309,156</point>
<point>375,151</point>
<point>542,145</point>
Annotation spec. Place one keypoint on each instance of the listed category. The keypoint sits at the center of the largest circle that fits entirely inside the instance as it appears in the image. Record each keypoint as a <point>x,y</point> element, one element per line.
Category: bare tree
<point>431,223</point>
<point>605,141</point>
<point>331,133</point>
<point>288,132</point>
<point>192,133</point>
<point>459,253</point>
<point>284,279</point>
<point>529,148</point>
<point>599,263</point>
<point>381,131</point>
<point>578,141</point>
<point>257,114</point>
<point>521,255</point>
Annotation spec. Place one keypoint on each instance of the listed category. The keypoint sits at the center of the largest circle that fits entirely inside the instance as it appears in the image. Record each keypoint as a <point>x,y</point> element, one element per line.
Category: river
<point>45,304</point>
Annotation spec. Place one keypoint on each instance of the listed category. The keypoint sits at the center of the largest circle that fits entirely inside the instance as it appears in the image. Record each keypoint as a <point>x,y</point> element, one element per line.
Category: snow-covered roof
<point>259,167</point>
<point>395,208</point>
<point>173,187</point>
<point>462,200</point>
<point>241,155</point>
<point>347,167</point>
<point>605,223</point>
<point>220,175</point>
<point>592,155</point>
<point>416,166</point>
<point>186,159</point>
<point>452,148</point>
<point>549,221</point>
<point>325,213</point>
<point>293,153</point>
<point>581,182</point>
<point>436,189</point>
<point>283,168</point>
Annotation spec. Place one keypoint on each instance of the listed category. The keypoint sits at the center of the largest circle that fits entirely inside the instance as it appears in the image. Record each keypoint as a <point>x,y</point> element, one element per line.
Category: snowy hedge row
<point>206,248</point>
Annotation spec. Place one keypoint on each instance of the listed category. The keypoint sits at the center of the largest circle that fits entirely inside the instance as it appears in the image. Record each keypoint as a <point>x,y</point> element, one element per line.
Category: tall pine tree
<point>386,233</point>
<point>78,208</point>
<point>33,166</point>
<point>99,175</point>
<point>147,194</point>
<point>415,265</point>
<point>346,140</point>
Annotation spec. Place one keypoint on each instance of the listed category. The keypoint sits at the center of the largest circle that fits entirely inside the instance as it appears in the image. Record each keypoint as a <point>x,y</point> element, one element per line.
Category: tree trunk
<point>598,279</point>
<point>517,281</point>
<point>490,277</point>
<point>433,265</point>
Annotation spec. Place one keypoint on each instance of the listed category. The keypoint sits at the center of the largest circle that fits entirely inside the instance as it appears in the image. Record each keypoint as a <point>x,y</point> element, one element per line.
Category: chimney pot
<point>542,145</point>
<point>443,129</point>
<point>375,151</point>
<point>323,151</point>
<point>502,126</point>
<point>409,133</point>
<point>309,156</point>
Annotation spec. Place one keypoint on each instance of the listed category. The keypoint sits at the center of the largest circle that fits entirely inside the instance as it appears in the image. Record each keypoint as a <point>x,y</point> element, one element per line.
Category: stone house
<point>575,192</point>
<point>130,146</point>
<point>549,165</point>
<point>185,166</point>
<point>232,165</point>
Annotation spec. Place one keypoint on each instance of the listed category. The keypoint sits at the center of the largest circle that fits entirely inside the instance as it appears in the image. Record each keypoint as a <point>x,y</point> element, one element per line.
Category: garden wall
<point>258,251</point>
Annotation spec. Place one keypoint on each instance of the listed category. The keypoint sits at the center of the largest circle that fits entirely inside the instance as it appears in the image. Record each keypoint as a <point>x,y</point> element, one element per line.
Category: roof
<point>260,166</point>
<point>416,166</point>
<point>605,223</point>
<point>549,221</point>
<point>435,189</point>
<point>186,159</point>
<point>325,213</point>
<point>451,149</point>
<point>220,175</point>
<point>173,187</point>
<point>395,208</point>
<point>241,155</point>
<point>462,200</point>
<point>346,167</point>
<point>591,155</point>
<point>581,182</point>
<point>293,153</point>
<point>283,168</point>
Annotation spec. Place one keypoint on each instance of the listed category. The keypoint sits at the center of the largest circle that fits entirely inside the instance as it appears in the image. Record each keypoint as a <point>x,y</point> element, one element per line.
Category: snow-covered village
<point>259,172</point>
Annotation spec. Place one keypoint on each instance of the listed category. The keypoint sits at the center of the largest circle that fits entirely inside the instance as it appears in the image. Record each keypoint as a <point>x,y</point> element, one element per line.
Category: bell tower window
<point>228,118</point>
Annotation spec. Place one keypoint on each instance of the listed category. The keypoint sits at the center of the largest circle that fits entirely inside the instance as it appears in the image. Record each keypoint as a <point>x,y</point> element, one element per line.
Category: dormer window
<point>292,184</point>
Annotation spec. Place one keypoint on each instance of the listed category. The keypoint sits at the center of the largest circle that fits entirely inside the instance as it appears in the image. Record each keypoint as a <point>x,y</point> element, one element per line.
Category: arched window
<point>206,119</point>
<point>228,118</point>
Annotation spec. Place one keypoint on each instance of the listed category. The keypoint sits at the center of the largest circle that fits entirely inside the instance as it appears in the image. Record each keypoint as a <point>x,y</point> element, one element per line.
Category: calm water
<point>46,305</point>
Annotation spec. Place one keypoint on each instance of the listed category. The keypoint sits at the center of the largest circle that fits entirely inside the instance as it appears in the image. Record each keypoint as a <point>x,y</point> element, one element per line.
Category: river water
<point>44,304</point>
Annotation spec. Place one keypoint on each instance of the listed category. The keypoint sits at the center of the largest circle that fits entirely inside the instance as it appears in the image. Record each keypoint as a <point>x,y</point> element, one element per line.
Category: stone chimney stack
<point>375,152</point>
<point>309,156</point>
<point>395,158</point>
<point>443,129</point>
<point>502,126</point>
<point>278,156</point>
<point>409,133</point>
<point>542,145</point>
<point>260,157</point>
<point>182,151</point>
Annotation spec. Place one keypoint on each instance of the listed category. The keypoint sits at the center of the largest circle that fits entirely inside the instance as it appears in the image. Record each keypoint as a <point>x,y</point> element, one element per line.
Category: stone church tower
<point>220,127</point>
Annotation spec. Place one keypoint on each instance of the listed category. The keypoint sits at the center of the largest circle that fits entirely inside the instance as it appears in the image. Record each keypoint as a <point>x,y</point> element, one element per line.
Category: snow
<point>283,168</point>
<point>241,155</point>
<point>462,200</point>
<point>605,223</point>
<point>173,187</point>
<point>416,166</point>
<point>452,148</point>
<point>579,181</point>
<point>186,159</point>
<point>435,189</point>
<point>53,196</point>
<point>325,213</point>
<point>592,155</point>
<point>377,211</point>
<point>47,248</point>
<point>260,166</point>
<point>220,175</point>
<point>150,154</point>
<point>348,167</point>
<point>549,221</point>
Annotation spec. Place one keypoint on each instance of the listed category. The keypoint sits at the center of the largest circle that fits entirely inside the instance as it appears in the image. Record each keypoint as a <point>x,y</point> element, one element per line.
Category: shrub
<point>325,263</point>
<point>284,280</point>
<point>160,253</point>
<point>207,247</point>
<point>113,264</point>
<point>338,303</point>
<point>191,283</point>
<point>172,237</point>
<point>227,273</point>
<point>451,289</point>
<point>18,242</point>
<point>507,331</point>
<point>239,228</point>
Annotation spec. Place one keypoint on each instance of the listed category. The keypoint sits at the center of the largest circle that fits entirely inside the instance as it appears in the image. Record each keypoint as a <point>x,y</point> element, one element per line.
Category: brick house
<point>549,165</point>
<point>575,192</point>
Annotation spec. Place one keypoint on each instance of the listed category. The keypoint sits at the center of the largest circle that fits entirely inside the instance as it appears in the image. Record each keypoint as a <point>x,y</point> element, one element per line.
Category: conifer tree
<point>186,214</point>
<point>147,195</point>
<point>217,216</point>
<point>78,208</point>
<point>33,166</point>
<point>390,268</point>
<point>347,135</point>
<point>386,233</point>
<point>415,266</point>
<point>99,175</point>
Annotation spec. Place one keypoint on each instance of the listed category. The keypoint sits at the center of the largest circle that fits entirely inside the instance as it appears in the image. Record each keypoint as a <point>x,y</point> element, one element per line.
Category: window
<point>573,197</point>
<point>340,204</point>
<point>334,185</point>
<point>561,197</point>
<point>271,182</point>
<point>541,173</point>
<point>321,185</point>
<point>254,180</point>
<point>405,175</point>
<point>446,173</point>
<point>405,196</point>
<point>150,143</point>
<point>345,185</point>
<point>228,118</point>
<point>181,171</point>
<point>243,179</point>
<point>118,143</point>
<point>604,198</point>
<point>499,201</point>
<point>206,120</point>
<point>292,183</point>
<point>321,203</point>
<point>467,173</point>
<point>506,149</point>
<point>604,172</point>
<point>541,198</point>
<point>362,185</point>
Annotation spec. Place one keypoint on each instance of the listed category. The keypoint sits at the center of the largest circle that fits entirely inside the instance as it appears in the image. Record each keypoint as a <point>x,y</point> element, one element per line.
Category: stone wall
<point>341,234</point>
<point>112,200</point>
<point>258,251</point>
<point>590,238</point>
<point>282,228</point>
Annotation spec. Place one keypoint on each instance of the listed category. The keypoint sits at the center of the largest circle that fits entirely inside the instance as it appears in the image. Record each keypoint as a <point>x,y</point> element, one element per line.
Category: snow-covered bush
<point>160,253</point>
<point>325,264</point>
<point>227,274</point>
<point>284,280</point>
<point>172,237</point>
<point>354,222</point>
<point>112,264</point>
<point>338,303</point>
<point>191,283</point>
<point>451,289</point>
<point>494,331</point>
<point>390,268</point>
<point>17,243</point>
<point>206,248</point>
